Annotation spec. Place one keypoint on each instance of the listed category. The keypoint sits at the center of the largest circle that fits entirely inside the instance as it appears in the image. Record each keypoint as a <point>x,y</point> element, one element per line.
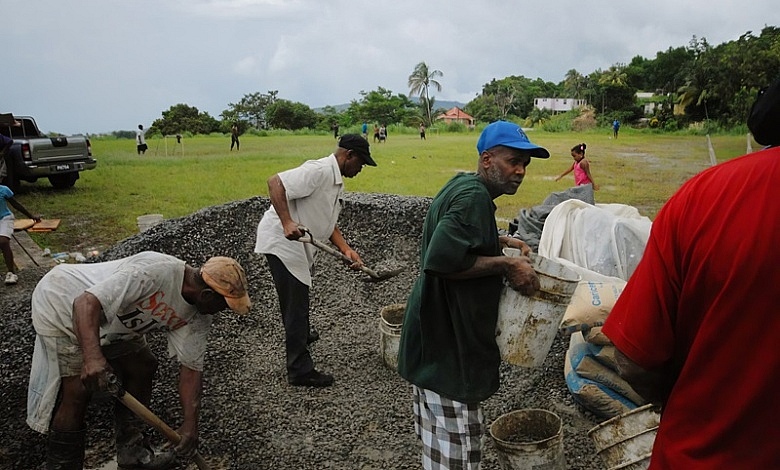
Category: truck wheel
<point>63,181</point>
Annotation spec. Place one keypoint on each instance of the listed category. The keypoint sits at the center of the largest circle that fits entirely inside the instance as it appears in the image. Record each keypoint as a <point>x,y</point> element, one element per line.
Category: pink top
<point>580,177</point>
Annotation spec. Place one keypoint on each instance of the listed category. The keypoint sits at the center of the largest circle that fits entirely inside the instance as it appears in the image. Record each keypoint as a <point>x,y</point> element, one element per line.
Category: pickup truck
<point>34,155</point>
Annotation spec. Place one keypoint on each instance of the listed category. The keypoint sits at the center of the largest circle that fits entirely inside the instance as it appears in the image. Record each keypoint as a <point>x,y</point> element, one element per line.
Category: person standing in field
<point>696,326</point>
<point>7,223</point>
<point>234,137</point>
<point>580,167</point>
<point>308,196</point>
<point>615,128</point>
<point>422,131</point>
<point>376,132</point>
<point>140,140</point>
<point>448,349</point>
<point>364,130</point>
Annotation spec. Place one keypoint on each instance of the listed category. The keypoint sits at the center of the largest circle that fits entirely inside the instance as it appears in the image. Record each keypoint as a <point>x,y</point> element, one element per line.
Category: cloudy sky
<point>93,66</point>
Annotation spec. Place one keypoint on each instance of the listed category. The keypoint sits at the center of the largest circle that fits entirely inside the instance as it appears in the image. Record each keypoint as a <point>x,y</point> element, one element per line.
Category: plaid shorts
<point>451,432</point>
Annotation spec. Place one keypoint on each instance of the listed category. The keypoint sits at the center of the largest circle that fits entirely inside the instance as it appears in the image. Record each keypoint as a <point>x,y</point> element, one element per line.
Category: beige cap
<point>228,279</point>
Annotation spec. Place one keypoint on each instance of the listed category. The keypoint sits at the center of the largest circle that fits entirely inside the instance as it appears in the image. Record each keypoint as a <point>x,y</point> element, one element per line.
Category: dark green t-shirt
<point>448,340</point>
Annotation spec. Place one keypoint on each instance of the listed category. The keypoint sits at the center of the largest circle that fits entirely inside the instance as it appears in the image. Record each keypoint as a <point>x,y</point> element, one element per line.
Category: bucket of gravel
<point>529,438</point>
<point>626,442</point>
<point>390,322</point>
<point>145,222</point>
<point>527,325</point>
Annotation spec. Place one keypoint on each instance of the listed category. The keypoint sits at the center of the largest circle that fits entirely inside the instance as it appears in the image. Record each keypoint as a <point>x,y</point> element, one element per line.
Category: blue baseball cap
<point>510,135</point>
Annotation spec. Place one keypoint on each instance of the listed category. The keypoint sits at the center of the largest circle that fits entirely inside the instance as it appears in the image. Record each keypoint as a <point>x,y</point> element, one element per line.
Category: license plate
<point>62,167</point>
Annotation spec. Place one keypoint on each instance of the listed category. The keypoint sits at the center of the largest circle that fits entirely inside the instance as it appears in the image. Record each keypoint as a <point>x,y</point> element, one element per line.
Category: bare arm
<point>87,317</point>
<point>278,196</point>
<point>518,271</point>
<point>571,168</point>
<point>18,206</point>
<point>190,392</point>
<point>338,240</point>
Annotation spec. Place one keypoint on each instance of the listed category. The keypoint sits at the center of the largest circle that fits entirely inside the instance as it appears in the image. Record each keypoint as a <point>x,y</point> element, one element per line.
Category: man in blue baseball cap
<point>448,347</point>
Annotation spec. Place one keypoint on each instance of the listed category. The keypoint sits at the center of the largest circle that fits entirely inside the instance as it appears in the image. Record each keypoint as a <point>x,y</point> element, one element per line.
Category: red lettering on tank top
<point>164,313</point>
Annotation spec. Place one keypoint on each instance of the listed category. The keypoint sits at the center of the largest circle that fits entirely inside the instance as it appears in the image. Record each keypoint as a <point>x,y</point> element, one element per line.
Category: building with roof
<point>559,105</point>
<point>455,114</point>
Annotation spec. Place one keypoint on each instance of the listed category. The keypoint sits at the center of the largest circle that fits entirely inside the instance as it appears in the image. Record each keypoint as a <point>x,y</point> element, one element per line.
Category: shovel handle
<point>150,418</point>
<point>336,253</point>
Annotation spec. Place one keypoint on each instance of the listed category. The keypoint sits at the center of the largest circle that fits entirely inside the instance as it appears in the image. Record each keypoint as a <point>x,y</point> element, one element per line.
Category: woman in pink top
<point>580,167</point>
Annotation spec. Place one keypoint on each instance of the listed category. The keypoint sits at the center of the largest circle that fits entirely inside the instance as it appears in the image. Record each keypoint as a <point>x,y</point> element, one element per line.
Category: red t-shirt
<point>704,306</point>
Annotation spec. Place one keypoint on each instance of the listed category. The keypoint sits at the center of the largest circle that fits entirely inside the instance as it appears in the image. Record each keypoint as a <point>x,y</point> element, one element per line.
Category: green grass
<point>638,169</point>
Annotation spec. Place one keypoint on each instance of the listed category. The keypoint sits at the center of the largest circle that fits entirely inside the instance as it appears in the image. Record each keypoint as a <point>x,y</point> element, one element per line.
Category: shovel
<point>373,276</point>
<point>115,388</point>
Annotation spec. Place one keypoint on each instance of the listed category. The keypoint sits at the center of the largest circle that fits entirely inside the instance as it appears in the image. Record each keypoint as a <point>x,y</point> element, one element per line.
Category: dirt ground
<point>251,417</point>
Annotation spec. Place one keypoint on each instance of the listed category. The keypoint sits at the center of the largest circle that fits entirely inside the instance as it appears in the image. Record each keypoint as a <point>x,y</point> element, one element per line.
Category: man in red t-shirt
<point>698,324</point>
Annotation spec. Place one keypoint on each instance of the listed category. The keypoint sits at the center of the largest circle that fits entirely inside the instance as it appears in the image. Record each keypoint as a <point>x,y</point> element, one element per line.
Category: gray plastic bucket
<point>390,323</point>
<point>527,326</point>
<point>529,439</point>
<point>626,442</point>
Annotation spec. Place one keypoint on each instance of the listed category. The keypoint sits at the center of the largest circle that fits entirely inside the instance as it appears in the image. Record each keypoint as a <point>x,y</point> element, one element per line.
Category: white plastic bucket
<point>529,439</point>
<point>626,442</point>
<point>147,221</point>
<point>527,326</point>
<point>390,323</point>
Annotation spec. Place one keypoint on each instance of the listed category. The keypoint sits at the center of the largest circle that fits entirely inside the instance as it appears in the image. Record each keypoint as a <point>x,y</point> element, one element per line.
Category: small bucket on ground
<point>625,442</point>
<point>527,326</point>
<point>390,322</point>
<point>528,439</point>
<point>145,222</point>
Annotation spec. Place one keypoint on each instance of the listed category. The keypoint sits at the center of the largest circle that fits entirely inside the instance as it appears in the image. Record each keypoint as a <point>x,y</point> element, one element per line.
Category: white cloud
<point>111,64</point>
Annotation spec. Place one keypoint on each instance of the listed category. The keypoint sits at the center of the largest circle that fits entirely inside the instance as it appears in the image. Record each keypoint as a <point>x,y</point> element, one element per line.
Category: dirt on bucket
<point>529,438</point>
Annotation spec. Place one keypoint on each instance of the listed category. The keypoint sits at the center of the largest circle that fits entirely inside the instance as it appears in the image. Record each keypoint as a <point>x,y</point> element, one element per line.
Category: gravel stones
<point>251,418</point>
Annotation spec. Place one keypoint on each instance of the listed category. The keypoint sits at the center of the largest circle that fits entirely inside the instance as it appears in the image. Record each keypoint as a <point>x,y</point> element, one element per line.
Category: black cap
<point>764,119</point>
<point>357,144</point>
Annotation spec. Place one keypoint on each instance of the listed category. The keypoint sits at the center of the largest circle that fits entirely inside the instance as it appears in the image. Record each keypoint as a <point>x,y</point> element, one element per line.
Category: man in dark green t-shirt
<point>448,347</point>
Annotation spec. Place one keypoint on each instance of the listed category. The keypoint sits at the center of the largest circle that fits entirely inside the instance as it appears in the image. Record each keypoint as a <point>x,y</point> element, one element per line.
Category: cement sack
<point>590,304</point>
<point>607,239</point>
<point>595,386</point>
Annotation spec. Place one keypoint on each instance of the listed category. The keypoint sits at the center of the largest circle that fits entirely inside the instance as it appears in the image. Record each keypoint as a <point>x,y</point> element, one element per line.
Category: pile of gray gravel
<point>251,417</point>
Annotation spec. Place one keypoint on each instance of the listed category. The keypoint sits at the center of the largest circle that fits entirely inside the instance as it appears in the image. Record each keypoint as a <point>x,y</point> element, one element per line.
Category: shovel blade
<point>383,276</point>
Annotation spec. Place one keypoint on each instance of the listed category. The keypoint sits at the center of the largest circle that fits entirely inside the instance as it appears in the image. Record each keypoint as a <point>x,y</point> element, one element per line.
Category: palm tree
<point>420,80</point>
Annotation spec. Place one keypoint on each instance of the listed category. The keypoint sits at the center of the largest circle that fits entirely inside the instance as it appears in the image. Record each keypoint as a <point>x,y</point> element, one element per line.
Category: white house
<point>559,105</point>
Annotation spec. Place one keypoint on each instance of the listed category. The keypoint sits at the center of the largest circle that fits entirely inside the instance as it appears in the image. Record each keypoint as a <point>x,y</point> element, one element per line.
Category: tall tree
<point>251,108</point>
<point>382,106</point>
<point>285,114</point>
<point>421,79</point>
<point>184,118</point>
<point>574,84</point>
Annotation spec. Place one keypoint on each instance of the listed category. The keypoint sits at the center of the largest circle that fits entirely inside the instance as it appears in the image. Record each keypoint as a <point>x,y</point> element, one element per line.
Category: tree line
<point>692,83</point>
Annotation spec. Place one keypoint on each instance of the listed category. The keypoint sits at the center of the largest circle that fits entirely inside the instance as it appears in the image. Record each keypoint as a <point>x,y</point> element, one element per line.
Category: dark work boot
<point>65,450</point>
<point>137,453</point>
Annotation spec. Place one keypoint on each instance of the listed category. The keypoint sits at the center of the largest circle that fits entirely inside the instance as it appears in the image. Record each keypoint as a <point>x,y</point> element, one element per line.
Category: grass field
<point>638,169</point>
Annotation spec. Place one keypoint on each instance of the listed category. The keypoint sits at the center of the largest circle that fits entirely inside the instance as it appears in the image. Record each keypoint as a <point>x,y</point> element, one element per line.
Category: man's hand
<point>355,257</point>
<point>521,276</point>
<point>94,374</point>
<point>292,230</point>
<point>188,445</point>
<point>512,242</point>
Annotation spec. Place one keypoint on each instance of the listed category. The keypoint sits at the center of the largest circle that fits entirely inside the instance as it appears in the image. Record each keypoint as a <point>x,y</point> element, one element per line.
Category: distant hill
<point>438,104</point>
